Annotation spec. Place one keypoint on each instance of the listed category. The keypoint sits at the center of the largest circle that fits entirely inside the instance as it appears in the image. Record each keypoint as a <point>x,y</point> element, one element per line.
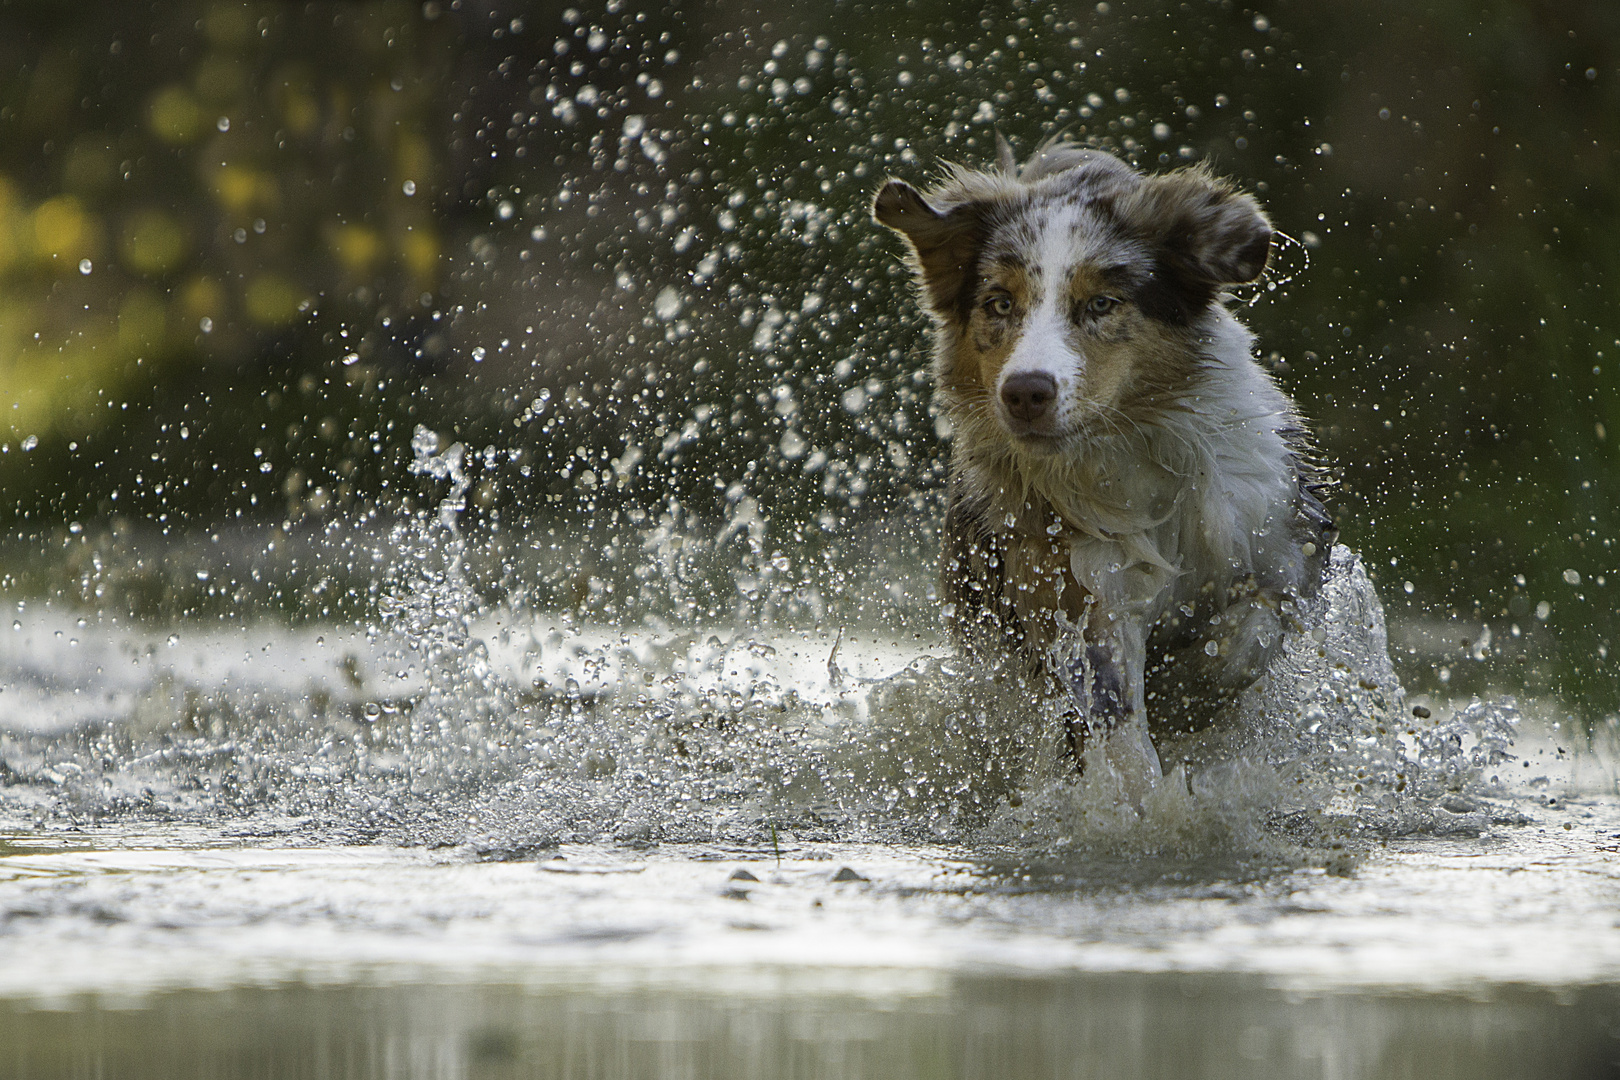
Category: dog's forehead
<point>1051,238</point>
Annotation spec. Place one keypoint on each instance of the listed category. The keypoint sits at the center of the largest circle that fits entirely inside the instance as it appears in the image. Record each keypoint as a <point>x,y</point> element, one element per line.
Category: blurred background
<point>622,254</point>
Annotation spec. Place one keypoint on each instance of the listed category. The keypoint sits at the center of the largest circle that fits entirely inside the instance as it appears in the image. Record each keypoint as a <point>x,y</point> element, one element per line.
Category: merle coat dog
<point>1134,506</point>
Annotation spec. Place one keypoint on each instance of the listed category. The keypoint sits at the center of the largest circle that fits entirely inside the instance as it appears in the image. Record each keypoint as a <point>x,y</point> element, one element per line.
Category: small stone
<point>1420,712</point>
<point>741,875</point>
<point>846,874</point>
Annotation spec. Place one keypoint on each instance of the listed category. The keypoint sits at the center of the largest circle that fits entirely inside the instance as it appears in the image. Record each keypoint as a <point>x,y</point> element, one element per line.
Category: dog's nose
<point>1029,395</point>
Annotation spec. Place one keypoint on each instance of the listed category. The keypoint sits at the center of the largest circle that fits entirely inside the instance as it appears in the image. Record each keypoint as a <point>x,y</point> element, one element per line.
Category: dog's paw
<point>1098,687</point>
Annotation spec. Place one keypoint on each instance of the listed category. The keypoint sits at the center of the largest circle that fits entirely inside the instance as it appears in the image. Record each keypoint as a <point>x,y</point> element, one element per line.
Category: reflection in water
<point>877,1026</point>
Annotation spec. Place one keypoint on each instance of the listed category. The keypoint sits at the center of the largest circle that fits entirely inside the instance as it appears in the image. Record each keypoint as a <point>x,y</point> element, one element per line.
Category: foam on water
<point>512,730</point>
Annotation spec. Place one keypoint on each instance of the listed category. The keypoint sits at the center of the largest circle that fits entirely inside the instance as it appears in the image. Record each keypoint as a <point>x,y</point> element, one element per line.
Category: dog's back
<point>1121,464</point>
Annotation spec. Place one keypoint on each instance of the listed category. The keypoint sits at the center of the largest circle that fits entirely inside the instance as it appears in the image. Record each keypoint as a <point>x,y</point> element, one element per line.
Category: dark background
<point>246,248</point>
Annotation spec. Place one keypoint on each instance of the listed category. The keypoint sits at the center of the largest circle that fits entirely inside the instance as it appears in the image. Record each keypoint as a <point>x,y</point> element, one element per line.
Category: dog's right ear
<point>944,244</point>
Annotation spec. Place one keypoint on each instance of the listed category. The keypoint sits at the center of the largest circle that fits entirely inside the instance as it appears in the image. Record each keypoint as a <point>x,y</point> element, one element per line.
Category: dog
<point>1135,508</point>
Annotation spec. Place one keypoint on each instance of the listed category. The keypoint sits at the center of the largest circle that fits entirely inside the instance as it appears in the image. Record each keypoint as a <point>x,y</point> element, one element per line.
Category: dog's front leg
<point>1091,626</point>
<point>1041,590</point>
<point>1106,678</point>
<point>1124,583</point>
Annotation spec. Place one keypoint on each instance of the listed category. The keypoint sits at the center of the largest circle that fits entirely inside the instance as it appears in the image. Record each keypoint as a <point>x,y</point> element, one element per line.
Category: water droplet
<point>1571,577</point>
<point>667,305</point>
<point>33,441</point>
<point>408,187</point>
<point>1212,648</point>
<point>223,123</point>
<point>85,266</point>
<point>174,639</point>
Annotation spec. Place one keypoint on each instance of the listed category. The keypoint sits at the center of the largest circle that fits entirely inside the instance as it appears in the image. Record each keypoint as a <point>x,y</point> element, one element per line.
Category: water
<point>601,727</point>
<point>473,838</point>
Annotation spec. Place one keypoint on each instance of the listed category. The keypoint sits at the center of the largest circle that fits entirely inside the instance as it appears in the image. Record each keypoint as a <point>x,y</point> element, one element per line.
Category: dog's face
<point>1069,295</point>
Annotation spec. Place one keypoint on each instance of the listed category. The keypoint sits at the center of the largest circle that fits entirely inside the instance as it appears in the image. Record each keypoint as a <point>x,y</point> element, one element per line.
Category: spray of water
<point>511,729</point>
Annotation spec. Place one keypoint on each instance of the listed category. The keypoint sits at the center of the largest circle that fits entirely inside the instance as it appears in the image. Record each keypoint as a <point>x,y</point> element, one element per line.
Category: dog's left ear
<point>1210,233</point>
<point>944,242</point>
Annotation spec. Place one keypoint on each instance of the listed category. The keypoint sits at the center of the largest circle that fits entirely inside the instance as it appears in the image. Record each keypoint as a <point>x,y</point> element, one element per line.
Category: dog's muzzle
<point>1030,398</point>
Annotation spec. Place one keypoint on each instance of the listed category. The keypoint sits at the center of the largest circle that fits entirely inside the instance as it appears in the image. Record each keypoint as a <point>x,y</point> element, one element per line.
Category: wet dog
<point>1134,506</point>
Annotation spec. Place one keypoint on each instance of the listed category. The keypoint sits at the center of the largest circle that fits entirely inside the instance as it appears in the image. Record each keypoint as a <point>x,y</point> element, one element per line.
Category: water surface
<point>579,851</point>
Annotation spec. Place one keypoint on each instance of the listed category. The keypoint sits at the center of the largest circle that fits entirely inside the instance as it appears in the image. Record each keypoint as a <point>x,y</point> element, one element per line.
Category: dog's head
<point>1069,293</point>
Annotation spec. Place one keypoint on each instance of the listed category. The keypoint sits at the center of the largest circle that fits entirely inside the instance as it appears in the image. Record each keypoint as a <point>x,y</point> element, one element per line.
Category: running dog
<point>1134,505</point>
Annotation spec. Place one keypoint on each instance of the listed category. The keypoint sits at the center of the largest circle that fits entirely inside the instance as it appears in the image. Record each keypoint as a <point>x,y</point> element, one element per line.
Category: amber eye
<point>1102,305</point>
<point>1000,305</point>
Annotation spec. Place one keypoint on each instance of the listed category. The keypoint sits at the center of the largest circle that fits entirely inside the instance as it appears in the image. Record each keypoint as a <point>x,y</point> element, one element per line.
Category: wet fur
<point>1169,498</point>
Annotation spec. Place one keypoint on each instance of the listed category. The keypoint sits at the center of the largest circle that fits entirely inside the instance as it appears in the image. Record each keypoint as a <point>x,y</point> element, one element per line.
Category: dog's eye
<point>999,306</point>
<point>1101,305</point>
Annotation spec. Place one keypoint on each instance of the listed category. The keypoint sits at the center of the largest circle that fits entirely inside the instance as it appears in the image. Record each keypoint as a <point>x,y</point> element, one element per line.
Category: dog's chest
<point>1143,536</point>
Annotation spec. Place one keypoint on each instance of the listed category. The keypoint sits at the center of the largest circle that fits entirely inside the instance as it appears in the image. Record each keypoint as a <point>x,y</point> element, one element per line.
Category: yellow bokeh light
<point>175,116</point>
<point>154,242</point>
<point>413,158</point>
<point>272,300</point>
<point>62,230</point>
<point>300,109</point>
<point>47,388</point>
<point>12,244</point>
<point>239,189</point>
<point>419,249</point>
<point>357,247</point>
<point>202,298</point>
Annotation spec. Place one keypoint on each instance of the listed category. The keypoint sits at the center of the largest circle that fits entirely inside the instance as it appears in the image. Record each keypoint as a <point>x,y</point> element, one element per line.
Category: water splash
<point>509,730</point>
<point>456,722</point>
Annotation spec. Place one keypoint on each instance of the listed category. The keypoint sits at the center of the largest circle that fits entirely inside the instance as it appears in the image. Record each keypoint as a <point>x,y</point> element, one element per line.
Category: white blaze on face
<point>1045,342</point>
